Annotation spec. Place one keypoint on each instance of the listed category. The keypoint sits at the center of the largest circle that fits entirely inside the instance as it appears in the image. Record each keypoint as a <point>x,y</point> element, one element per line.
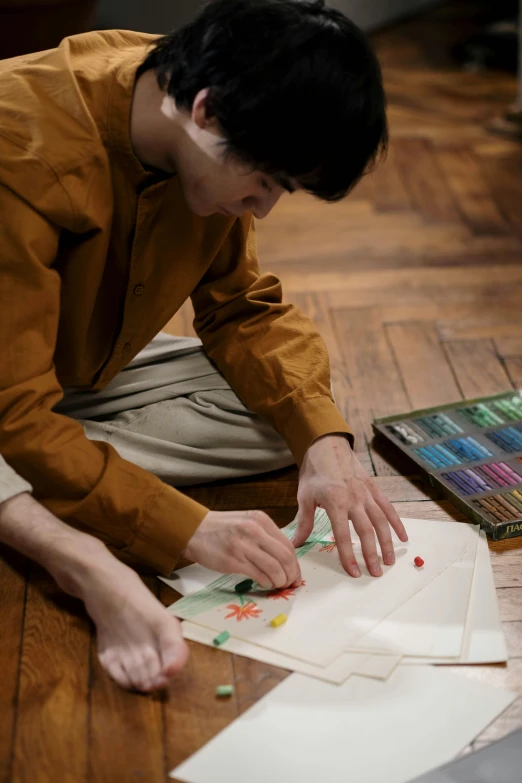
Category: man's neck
<point>153,125</point>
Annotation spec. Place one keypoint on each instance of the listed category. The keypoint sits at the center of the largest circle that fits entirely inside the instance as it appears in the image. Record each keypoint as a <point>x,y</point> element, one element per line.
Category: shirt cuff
<point>170,520</point>
<point>315,417</point>
<point>11,484</point>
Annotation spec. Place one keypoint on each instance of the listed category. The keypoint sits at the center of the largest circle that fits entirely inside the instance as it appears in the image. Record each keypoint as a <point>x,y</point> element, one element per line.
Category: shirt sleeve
<point>269,352</point>
<point>11,484</point>
<point>85,483</point>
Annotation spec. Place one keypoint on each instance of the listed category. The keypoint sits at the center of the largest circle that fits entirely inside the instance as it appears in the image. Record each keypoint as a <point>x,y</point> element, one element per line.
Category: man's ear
<point>202,115</point>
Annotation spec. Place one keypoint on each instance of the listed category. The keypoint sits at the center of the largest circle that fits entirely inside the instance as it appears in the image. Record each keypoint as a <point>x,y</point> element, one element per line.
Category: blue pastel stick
<point>447,452</point>
<point>425,457</point>
<point>433,461</point>
<point>515,435</point>
<point>482,449</point>
<point>462,449</point>
<point>442,458</point>
<point>445,455</point>
<point>438,458</point>
<point>503,441</point>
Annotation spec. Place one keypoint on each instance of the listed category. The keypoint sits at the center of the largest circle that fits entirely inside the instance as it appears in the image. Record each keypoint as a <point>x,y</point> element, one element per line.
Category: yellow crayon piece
<point>279,620</point>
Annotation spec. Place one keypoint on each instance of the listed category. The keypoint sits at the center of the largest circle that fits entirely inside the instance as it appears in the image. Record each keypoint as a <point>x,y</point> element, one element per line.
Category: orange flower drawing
<point>245,612</point>
<point>328,547</point>
<point>287,593</point>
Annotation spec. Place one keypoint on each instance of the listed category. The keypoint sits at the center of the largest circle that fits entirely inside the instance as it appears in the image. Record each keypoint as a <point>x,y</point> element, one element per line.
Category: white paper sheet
<point>337,672</point>
<point>365,731</point>
<point>190,579</point>
<point>432,622</point>
<point>339,609</point>
<point>379,667</point>
<point>484,640</point>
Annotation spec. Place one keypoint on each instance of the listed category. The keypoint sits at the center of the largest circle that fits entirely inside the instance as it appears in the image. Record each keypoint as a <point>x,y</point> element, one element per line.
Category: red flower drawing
<point>286,593</point>
<point>328,547</point>
<point>245,612</point>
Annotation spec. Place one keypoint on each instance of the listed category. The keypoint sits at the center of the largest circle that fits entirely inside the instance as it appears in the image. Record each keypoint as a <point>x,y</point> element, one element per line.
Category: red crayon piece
<point>419,562</point>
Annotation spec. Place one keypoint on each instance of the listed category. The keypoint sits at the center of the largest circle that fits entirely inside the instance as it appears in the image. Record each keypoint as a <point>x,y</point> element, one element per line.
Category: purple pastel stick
<point>465,486</point>
<point>478,480</point>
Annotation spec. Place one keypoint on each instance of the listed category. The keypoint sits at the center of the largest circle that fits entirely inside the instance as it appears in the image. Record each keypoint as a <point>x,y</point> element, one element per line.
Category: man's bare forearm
<point>25,525</point>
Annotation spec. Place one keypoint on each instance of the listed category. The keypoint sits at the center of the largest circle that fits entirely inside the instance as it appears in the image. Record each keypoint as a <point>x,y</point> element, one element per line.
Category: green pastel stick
<point>225,690</point>
<point>221,638</point>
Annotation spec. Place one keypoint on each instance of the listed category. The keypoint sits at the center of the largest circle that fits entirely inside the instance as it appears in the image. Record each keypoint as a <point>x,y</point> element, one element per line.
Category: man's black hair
<point>296,88</point>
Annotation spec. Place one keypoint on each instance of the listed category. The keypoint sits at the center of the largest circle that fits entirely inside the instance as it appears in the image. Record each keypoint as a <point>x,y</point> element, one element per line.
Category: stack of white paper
<point>445,612</point>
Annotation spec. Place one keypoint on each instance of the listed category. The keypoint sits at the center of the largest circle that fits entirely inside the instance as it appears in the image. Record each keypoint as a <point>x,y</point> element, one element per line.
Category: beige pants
<point>173,413</point>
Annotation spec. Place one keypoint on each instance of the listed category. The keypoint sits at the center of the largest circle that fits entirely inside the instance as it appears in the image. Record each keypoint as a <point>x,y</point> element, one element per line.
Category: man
<point>130,174</point>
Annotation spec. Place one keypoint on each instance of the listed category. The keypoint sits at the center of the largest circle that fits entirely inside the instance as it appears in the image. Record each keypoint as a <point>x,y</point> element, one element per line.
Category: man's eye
<point>264,184</point>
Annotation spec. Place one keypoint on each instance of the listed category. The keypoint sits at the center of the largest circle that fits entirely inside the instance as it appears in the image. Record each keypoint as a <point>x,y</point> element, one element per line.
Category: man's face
<point>213,183</point>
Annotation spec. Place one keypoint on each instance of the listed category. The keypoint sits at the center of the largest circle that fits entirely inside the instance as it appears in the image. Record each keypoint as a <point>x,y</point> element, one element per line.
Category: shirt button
<point>126,348</point>
<point>139,289</point>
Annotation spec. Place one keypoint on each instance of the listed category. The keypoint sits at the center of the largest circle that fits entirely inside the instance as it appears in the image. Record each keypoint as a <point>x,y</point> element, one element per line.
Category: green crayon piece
<point>225,690</point>
<point>245,586</point>
<point>221,638</point>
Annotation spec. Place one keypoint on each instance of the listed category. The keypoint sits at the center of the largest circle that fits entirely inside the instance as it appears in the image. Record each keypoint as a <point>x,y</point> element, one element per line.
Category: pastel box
<point>471,451</point>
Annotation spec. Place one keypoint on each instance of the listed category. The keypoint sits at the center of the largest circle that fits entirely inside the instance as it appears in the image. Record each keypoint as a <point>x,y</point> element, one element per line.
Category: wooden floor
<point>415,282</point>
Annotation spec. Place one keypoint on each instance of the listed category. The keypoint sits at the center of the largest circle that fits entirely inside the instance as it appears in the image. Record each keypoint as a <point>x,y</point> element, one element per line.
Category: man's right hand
<point>245,542</point>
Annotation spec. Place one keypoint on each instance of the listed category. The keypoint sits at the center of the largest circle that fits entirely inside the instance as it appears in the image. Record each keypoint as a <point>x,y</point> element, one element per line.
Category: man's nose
<point>266,204</point>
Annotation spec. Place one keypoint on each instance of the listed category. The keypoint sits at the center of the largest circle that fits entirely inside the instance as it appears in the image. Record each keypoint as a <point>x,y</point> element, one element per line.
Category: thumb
<point>305,522</point>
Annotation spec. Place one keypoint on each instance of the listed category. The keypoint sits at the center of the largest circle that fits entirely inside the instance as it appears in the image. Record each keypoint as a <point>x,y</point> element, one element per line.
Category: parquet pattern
<point>415,282</point>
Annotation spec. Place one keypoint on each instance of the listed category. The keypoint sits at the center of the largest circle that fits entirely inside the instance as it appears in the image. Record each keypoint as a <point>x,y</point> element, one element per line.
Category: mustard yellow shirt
<point>96,255</point>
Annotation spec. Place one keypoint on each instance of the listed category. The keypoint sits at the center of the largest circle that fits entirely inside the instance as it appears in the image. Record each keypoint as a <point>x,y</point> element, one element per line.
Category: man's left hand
<point>331,477</point>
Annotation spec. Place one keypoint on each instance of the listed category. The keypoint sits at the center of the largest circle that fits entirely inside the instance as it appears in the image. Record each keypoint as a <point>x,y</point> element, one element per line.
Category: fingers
<point>273,553</point>
<point>305,523</point>
<point>366,533</point>
<point>381,525</point>
<point>275,567</point>
<point>391,515</point>
<point>343,539</point>
<point>285,558</point>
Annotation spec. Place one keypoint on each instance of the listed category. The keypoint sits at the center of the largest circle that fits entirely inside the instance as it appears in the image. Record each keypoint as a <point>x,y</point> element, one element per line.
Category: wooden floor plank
<point>513,365</point>
<point>369,359</point>
<point>193,713</point>
<point>13,574</point>
<point>126,729</point>
<point>510,346</point>
<point>426,181</point>
<point>498,323</point>
<point>473,194</point>
<point>510,604</point>
<point>423,364</point>
<point>52,728</point>
<point>441,510</point>
<point>388,183</point>
<point>477,367</point>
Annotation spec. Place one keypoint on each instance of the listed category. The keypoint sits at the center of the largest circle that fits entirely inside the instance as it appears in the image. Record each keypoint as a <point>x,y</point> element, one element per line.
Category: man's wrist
<point>334,435</point>
<point>67,554</point>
